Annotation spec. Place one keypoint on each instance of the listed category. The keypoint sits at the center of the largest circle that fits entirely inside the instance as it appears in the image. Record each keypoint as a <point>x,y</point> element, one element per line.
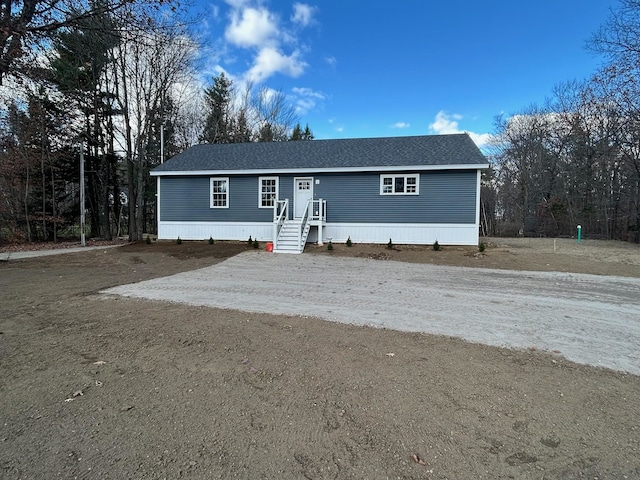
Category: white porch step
<point>295,251</point>
<point>288,239</point>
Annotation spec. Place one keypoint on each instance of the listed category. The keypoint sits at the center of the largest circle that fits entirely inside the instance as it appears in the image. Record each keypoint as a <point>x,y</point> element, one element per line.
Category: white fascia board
<point>304,171</point>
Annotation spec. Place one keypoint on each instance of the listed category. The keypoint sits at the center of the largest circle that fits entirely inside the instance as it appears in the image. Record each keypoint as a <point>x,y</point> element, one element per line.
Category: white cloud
<point>306,99</point>
<point>445,123</point>
<point>480,139</point>
<point>270,60</point>
<point>338,127</point>
<point>400,125</point>
<point>252,27</point>
<point>304,105</point>
<point>237,3</point>
<point>332,61</point>
<point>302,14</point>
<point>308,92</point>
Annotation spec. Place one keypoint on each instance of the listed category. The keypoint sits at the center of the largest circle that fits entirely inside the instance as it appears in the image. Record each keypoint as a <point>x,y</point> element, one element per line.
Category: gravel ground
<point>588,319</point>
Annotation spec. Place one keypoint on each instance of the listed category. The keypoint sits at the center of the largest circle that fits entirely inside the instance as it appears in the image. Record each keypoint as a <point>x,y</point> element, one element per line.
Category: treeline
<point>576,159</point>
<point>119,81</point>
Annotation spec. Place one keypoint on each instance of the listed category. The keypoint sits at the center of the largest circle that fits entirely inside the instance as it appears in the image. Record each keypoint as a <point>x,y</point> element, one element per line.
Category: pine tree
<point>297,133</point>
<point>219,123</point>
<point>78,71</point>
<point>307,134</point>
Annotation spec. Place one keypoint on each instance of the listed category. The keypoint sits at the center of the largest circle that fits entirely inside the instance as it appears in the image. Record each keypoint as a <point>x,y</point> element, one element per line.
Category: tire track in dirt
<point>588,319</point>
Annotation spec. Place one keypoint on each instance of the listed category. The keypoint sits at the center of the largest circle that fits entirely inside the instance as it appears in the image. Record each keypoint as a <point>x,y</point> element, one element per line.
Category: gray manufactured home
<point>413,190</point>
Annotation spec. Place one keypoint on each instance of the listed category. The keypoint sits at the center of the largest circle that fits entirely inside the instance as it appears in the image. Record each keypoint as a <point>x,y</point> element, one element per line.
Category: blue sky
<point>357,68</point>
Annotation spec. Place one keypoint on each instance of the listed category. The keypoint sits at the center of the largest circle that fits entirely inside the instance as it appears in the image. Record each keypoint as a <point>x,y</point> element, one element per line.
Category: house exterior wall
<point>445,209</point>
<point>399,233</point>
<point>186,199</point>
<point>445,197</point>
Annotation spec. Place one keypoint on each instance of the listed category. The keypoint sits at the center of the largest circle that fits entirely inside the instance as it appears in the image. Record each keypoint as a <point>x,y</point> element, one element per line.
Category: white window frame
<point>413,176</point>
<point>260,192</point>
<point>226,197</point>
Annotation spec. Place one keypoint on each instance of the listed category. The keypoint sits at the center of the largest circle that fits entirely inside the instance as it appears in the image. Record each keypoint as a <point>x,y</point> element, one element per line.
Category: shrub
<point>148,240</point>
<point>436,246</point>
<point>211,241</point>
<point>390,245</point>
<point>250,241</point>
<point>256,244</point>
<point>179,241</point>
<point>482,247</point>
<point>349,242</point>
<point>330,246</point>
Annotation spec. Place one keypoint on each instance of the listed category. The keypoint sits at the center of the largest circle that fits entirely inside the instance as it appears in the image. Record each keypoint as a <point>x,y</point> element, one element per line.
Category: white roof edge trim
<point>296,171</point>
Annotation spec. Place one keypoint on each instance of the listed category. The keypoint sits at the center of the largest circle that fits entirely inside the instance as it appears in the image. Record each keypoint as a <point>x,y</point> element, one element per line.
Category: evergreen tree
<point>307,134</point>
<point>266,133</point>
<point>298,134</point>
<point>241,131</point>
<point>78,71</point>
<point>219,123</point>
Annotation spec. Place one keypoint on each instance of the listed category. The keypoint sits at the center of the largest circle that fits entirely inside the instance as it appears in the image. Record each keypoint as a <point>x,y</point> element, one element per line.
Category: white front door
<point>303,192</point>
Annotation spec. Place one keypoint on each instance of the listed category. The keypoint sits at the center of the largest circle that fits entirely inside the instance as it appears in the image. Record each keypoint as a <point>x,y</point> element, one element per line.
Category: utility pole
<point>162,128</point>
<point>162,141</point>
<point>82,216</point>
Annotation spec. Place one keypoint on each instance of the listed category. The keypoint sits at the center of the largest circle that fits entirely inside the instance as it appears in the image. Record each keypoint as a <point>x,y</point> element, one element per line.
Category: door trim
<point>295,193</point>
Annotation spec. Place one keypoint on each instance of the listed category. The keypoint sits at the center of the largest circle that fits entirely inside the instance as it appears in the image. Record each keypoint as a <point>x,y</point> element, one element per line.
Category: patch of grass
<point>482,247</point>
<point>179,241</point>
<point>256,244</point>
<point>148,240</point>
<point>436,246</point>
<point>330,246</point>
<point>211,241</point>
<point>349,242</point>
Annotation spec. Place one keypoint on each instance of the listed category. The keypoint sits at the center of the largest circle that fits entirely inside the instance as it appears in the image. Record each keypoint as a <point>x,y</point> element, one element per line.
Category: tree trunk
<point>43,175</point>
<point>54,209</point>
<point>26,204</point>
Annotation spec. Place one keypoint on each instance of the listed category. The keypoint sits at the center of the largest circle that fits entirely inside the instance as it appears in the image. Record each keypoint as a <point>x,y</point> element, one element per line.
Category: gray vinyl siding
<point>445,197</point>
<point>186,199</point>
<point>286,190</point>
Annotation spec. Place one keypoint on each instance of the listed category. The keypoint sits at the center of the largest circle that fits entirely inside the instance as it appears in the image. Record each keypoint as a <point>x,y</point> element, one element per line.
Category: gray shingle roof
<point>360,153</point>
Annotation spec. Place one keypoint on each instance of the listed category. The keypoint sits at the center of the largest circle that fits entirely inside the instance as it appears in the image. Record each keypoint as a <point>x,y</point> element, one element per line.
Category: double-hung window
<point>268,192</point>
<point>219,192</point>
<point>399,184</point>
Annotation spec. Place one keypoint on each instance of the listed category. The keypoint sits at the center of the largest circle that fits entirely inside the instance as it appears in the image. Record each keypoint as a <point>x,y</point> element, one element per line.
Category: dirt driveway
<point>586,318</point>
<point>102,386</point>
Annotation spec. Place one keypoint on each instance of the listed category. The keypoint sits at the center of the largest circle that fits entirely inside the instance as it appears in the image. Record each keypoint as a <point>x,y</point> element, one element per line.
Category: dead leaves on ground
<point>77,393</point>
<point>80,393</point>
<point>418,459</point>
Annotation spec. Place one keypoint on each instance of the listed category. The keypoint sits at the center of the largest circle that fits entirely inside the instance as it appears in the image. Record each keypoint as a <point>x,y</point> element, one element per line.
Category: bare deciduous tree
<point>275,116</point>
<point>148,69</point>
<point>27,26</point>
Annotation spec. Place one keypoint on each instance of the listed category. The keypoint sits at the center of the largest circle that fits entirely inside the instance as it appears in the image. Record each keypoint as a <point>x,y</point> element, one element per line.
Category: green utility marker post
<point>579,232</point>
